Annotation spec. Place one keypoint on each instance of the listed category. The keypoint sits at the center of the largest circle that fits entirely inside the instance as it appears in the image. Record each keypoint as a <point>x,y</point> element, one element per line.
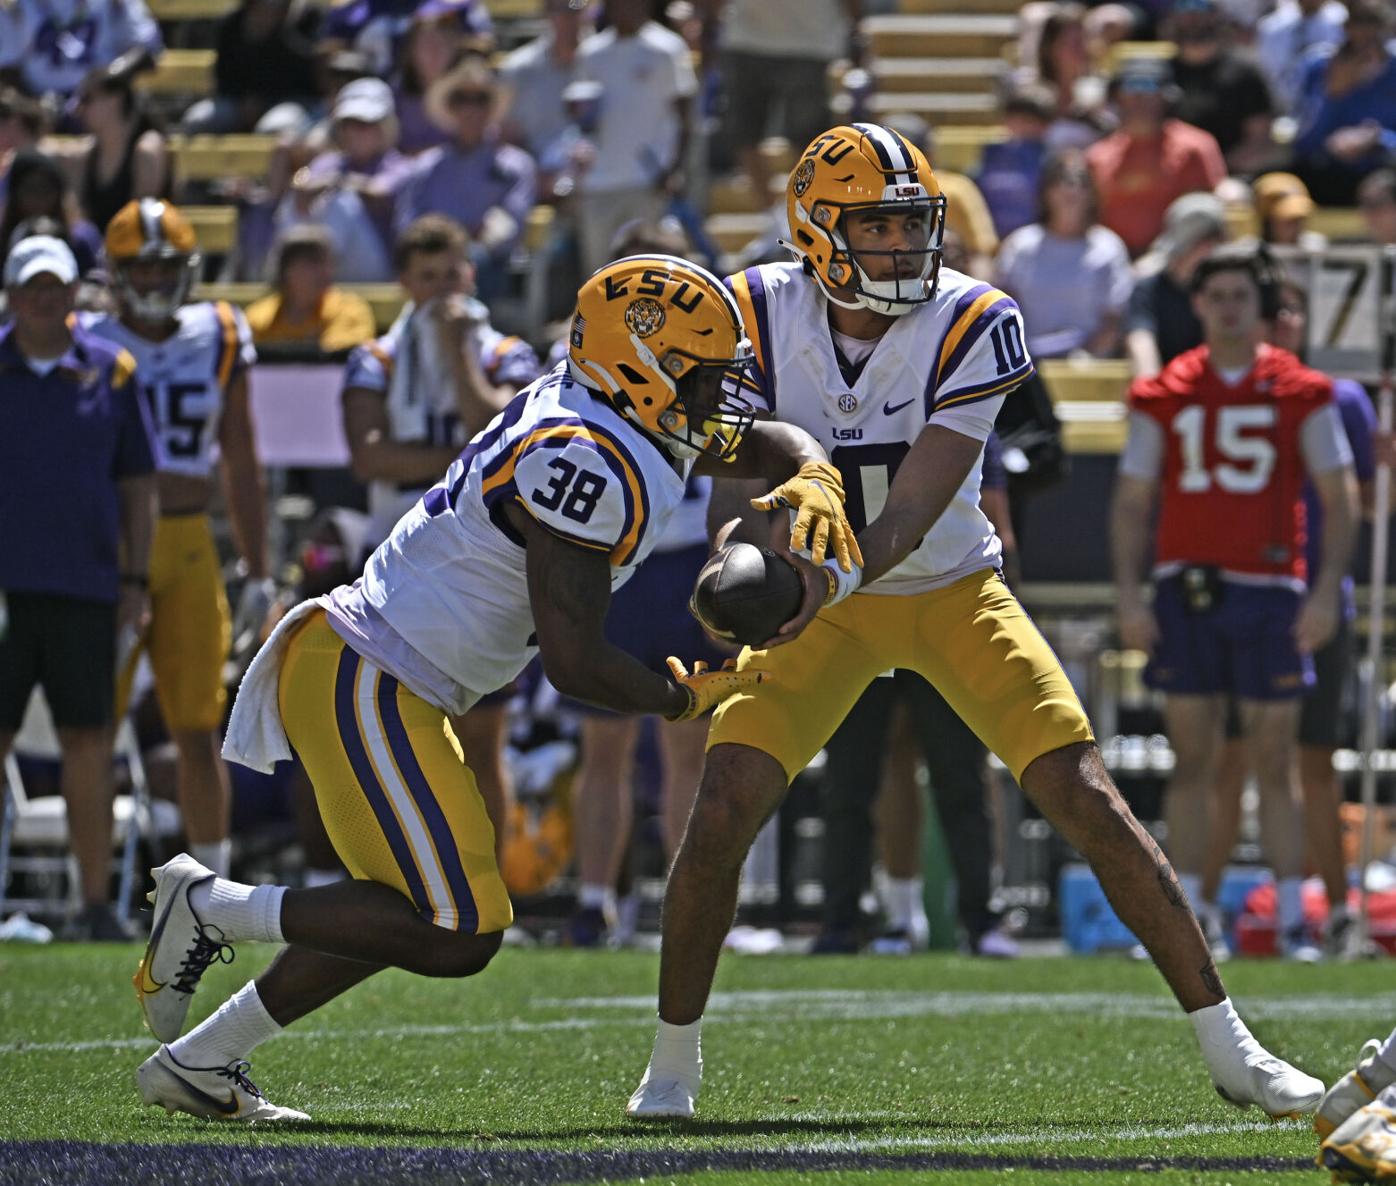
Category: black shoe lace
<point>209,945</point>
<point>237,1072</point>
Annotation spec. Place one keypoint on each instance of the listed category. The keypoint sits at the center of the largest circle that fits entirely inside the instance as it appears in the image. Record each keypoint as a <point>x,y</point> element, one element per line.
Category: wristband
<point>136,580</point>
<point>841,583</point>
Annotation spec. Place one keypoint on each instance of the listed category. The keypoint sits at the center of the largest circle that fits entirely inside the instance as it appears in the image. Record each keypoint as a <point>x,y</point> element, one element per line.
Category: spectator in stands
<point>1010,171</point>
<point>435,40</point>
<point>38,189</point>
<point>1347,123</point>
<point>534,77</point>
<point>1376,197</point>
<point>351,189</point>
<point>307,313</point>
<point>1220,91</point>
<point>377,28</point>
<point>128,157</point>
<point>1062,64</point>
<point>775,57</point>
<point>1282,208</point>
<point>265,80</point>
<point>47,47</point>
<point>1160,322</point>
<point>1069,275</point>
<point>21,125</point>
<point>482,183</point>
<point>1153,158</point>
<point>1220,444</point>
<point>77,508</point>
<point>1288,38</point>
<point>642,127</point>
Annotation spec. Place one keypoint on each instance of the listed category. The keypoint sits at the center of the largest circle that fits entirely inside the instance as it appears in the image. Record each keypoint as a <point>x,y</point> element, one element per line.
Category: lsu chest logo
<point>846,434</point>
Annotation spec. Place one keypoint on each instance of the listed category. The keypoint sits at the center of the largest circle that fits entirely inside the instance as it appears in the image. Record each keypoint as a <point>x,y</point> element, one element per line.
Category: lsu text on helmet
<point>663,341</point>
<point>858,168</point>
<point>153,255</point>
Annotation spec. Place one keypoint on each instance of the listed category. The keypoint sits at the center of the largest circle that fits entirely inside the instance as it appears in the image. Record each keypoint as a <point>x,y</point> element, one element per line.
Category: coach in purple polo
<point>77,508</point>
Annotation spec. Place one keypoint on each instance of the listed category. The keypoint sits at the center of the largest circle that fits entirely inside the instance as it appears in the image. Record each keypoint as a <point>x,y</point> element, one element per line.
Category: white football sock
<point>591,896</point>
<point>240,1025</point>
<point>1289,904</point>
<point>904,900</point>
<point>1225,1041</point>
<point>240,911</point>
<point>217,855</point>
<point>677,1052</point>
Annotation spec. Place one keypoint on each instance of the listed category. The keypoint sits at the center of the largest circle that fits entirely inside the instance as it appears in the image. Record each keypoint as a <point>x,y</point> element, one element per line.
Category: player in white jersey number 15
<point>514,553</point>
<point>900,365</point>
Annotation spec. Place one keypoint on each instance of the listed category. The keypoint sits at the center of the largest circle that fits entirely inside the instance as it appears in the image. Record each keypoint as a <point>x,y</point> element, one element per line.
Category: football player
<point>514,553</point>
<point>1220,444</point>
<point>899,365</point>
<point>192,360</point>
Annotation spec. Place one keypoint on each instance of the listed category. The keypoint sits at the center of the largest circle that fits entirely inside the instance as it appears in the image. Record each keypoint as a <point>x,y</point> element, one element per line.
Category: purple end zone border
<point>76,1163</point>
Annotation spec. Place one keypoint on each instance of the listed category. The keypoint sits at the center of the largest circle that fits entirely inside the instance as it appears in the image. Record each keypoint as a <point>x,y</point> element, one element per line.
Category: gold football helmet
<point>866,167</point>
<point>147,230</point>
<point>663,341</point>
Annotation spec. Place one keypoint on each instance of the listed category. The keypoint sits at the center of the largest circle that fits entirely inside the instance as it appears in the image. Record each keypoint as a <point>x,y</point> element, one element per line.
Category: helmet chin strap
<point>866,296</point>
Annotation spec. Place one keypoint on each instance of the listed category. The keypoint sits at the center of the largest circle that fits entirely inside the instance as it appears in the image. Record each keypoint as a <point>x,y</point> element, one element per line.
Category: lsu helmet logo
<point>804,174</point>
<point>644,317</point>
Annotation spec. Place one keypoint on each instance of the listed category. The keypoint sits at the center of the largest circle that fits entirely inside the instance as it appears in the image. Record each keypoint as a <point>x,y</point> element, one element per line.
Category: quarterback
<point>515,552</point>
<point>899,366</point>
<point>192,360</point>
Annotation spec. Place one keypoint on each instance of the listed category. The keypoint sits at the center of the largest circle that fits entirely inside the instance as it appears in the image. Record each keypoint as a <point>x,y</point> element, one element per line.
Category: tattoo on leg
<point>1167,878</point>
<point>1211,979</point>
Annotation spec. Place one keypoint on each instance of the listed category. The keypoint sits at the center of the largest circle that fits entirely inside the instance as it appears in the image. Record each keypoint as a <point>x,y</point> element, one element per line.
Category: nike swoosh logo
<point>229,1107</point>
<point>889,409</point>
<point>144,982</point>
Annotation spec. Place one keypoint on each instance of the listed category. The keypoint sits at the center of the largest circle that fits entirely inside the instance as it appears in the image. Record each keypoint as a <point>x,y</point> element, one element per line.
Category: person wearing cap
<point>1160,322</point>
<point>77,505</point>
<point>1153,158</point>
<point>1283,207</point>
<point>1219,90</point>
<point>350,189</point>
<point>476,179</point>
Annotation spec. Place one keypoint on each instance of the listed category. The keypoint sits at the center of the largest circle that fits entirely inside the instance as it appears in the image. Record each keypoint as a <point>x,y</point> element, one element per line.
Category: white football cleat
<point>1363,1147</point>
<point>1356,1089</point>
<point>663,1099</point>
<point>1279,1089</point>
<point>181,947</point>
<point>211,1093</point>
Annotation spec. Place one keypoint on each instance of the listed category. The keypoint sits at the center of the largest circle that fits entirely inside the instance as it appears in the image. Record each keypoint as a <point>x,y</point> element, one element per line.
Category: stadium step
<point>958,147</point>
<point>937,108</point>
<point>181,72</point>
<point>963,75</point>
<point>732,232</point>
<point>965,7</point>
<point>916,36</point>
<point>191,10</point>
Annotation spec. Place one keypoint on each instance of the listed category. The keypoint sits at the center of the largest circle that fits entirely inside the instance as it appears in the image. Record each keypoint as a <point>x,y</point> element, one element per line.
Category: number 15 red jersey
<point>1233,471</point>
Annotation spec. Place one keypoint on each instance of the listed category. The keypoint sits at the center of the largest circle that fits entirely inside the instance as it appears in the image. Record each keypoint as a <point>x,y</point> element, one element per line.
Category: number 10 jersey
<point>950,361</point>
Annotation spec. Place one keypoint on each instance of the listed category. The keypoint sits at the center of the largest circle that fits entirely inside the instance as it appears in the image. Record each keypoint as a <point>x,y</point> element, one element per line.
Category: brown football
<point>746,593</point>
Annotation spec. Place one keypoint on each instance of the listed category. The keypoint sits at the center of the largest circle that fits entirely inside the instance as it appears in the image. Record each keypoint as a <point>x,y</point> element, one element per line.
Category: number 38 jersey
<point>443,603</point>
<point>950,361</point>
<point>1231,459</point>
<point>185,379</point>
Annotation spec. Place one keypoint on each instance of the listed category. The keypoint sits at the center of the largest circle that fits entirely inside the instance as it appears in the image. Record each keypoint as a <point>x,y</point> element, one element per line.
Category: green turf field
<point>828,1071</point>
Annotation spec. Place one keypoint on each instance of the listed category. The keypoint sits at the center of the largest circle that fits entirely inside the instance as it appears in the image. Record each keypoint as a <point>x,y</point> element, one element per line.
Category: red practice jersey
<point>1233,471</point>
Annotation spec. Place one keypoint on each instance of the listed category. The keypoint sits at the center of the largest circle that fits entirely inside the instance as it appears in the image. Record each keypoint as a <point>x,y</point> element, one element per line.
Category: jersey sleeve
<point>749,290</point>
<point>580,481</point>
<point>236,353</point>
<point>983,352</point>
<point>370,366</point>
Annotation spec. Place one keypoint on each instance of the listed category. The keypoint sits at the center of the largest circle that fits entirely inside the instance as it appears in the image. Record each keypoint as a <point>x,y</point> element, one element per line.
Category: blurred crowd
<point>480,169</point>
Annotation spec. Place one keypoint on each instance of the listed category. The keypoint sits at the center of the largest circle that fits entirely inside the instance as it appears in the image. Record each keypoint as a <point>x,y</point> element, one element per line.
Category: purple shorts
<point>1242,646</point>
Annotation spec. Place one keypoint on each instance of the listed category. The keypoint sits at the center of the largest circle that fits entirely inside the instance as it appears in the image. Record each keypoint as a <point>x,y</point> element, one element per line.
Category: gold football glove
<point>815,493</point>
<point>707,689</point>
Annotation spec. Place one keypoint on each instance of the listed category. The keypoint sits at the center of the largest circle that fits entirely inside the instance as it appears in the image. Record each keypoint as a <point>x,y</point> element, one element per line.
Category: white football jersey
<point>443,602</point>
<point>962,347</point>
<point>185,379</point>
